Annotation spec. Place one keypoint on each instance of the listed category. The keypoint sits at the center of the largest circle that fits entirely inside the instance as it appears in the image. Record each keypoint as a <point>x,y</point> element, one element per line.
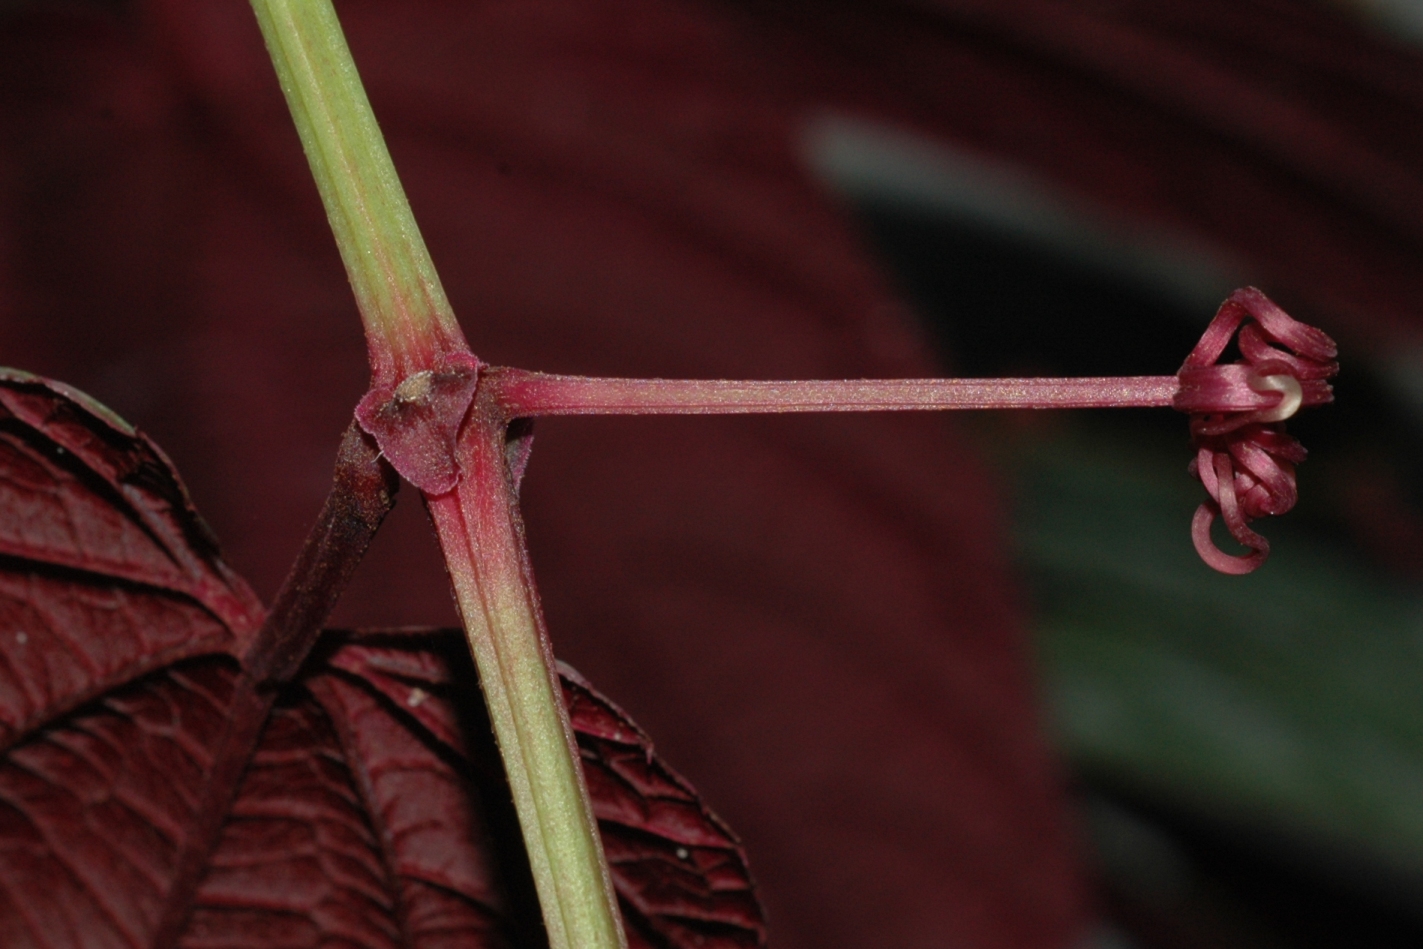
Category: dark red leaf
<point>679,871</point>
<point>674,861</point>
<point>99,805</point>
<point>108,572</point>
<point>154,793</point>
<point>347,827</point>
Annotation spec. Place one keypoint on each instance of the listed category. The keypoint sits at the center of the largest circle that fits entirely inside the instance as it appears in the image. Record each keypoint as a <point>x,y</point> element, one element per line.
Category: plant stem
<point>407,317</point>
<point>362,493</point>
<point>423,381</point>
<point>440,419</point>
<point>482,536</point>
<point>527,394</point>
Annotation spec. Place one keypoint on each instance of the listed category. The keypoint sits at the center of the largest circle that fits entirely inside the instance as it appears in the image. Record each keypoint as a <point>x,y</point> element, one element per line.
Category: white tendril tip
<point>1291,396</point>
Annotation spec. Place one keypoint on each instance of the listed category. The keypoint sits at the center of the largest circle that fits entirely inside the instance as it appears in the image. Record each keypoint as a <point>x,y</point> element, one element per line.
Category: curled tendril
<point>1243,456</point>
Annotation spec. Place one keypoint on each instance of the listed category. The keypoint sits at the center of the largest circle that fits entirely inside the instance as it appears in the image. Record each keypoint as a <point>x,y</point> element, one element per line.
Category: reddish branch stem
<point>362,493</point>
<point>1243,457</point>
<point>525,394</point>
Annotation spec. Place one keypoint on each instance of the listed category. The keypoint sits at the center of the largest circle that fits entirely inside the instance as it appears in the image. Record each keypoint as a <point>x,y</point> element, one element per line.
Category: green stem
<point>482,537</point>
<point>422,384</point>
<point>406,314</point>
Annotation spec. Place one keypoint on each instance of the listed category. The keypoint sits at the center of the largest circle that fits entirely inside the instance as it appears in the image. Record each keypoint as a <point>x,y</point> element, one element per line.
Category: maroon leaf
<point>317,847</point>
<point>674,861</point>
<point>364,813</point>
<point>156,792</point>
<point>679,871</point>
<point>108,571</point>
<point>98,807</point>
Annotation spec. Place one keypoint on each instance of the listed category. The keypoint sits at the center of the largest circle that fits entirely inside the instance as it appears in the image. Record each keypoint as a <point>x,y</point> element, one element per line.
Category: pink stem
<point>524,394</point>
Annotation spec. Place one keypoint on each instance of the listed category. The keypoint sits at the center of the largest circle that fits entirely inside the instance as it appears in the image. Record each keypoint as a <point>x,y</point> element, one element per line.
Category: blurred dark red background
<point>814,617</point>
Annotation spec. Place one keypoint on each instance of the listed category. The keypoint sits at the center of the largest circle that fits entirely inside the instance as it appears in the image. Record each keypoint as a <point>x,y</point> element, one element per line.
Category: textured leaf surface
<point>106,571</point>
<point>98,806</point>
<point>118,631</point>
<point>152,794</point>
<point>680,873</point>
<point>303,861</point>
<point>678,867</point>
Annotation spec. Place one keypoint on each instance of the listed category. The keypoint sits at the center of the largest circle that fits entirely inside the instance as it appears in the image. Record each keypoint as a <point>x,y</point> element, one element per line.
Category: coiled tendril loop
<point>1243,456</point>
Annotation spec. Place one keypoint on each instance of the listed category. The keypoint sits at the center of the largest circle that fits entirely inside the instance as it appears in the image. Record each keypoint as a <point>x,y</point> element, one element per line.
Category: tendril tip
<point>1243,456</point>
